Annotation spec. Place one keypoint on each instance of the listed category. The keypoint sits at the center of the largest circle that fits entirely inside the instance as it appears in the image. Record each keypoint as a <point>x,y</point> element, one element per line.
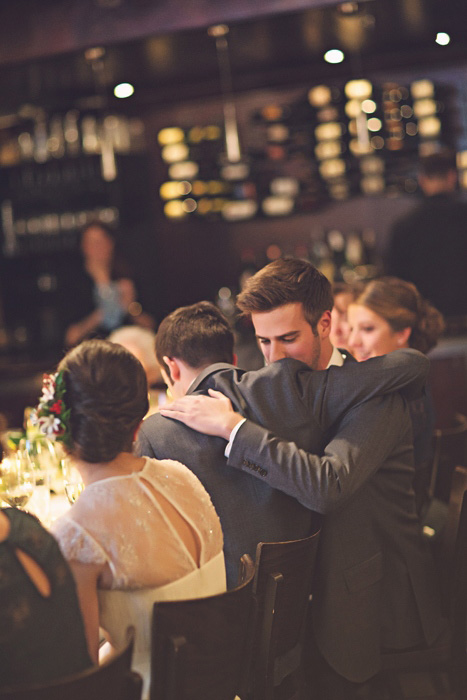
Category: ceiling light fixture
<point>442,38</point>
<point>334,56</point>
<point>123,90</point>
<point>235,166</point>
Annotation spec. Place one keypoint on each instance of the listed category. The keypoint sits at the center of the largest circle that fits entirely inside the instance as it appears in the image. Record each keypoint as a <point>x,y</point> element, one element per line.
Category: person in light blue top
<point>105,296</point>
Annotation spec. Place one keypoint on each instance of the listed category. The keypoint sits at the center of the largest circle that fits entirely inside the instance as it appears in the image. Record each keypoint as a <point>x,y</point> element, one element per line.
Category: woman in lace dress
<point>143,530</point>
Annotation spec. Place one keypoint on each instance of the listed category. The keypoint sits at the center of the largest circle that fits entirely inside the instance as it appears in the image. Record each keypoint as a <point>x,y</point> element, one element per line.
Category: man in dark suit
<point>374,577</point>
<point>428,246</point>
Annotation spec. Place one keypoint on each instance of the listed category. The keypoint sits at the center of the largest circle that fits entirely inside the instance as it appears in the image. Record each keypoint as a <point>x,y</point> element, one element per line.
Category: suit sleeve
<point>142,446</point>
<point>366,436</point>
<point>330,394</point>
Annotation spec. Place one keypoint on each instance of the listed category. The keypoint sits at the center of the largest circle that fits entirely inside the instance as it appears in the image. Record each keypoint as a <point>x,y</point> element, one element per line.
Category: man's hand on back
<point>211,415</point>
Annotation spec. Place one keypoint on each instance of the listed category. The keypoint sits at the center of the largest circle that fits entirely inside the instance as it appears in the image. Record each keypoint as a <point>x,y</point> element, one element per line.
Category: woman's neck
<point>99,271</point>
<point>124,464</point>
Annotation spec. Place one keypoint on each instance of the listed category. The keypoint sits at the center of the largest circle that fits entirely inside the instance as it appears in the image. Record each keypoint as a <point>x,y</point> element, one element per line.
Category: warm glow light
<point>332,168</point>
<point>369,106</point>
<point>374,124</point>
<point>329,131</point>
<point>241,209</point>
<point>285,186</point>
<point>358,89</point>
<point>422,88</point>
<point>334,56</point>
<point>174,209</point>
<point>406,111</point>
<point>175,152</point>
<point>429,127</point>
<point>442,38</point>
<point>328,149</point>
<point>353,108</point>
<point>319,95</point>
<point>277,206</point>
<point>185,170</point>
<point>424,108</point>
<point>172,134</point>
<point>172,190</point>
<point>123,90</point>
<point>377,142</point>
<point>189,205</point>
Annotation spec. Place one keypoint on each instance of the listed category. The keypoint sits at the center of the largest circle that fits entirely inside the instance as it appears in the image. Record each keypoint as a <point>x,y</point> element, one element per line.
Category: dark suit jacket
<point>251,511</point>
<point>308,408</point>
<point>428,247</point>
<point>374,576</point>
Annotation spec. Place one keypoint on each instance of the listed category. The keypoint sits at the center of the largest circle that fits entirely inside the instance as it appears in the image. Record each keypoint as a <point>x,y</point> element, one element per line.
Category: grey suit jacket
<point>252,510</point>
<point>374,576</point>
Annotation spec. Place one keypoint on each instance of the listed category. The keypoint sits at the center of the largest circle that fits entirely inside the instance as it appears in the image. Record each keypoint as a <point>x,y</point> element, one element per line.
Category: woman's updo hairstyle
<point>106,390</point>
<point>402,306</point>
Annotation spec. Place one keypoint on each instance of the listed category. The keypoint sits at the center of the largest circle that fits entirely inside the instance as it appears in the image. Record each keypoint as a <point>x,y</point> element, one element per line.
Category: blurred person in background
<point>344,294</point>
<point>428,246</point>
<point>141,343</point>
<point>104,298</point>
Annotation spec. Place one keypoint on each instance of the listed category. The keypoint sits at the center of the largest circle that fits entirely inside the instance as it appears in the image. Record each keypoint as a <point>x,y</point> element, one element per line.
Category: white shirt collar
<point>337,358</point>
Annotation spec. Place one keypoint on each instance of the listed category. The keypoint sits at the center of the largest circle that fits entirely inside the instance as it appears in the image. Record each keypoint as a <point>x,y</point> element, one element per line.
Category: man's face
<point>285,332</point>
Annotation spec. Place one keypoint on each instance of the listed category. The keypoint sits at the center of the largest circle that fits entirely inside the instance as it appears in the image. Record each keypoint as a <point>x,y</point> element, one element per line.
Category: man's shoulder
<point>154,424</point>
<point>281,371</point>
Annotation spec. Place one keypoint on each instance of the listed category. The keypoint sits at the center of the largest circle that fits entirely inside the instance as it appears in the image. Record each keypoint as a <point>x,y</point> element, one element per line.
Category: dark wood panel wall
<point>30,29</point>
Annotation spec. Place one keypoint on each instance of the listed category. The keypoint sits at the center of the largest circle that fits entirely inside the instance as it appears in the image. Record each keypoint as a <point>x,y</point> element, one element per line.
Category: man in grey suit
<point>194,347</point>
<point>374,576</point>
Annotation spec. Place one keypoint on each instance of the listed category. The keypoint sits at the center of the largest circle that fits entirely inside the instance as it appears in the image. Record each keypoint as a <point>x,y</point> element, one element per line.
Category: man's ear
<point>324,325</point>
<point>173,367</point>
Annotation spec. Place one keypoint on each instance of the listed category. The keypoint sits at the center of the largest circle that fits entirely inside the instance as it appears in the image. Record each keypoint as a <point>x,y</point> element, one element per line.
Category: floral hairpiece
<point>51,415</point>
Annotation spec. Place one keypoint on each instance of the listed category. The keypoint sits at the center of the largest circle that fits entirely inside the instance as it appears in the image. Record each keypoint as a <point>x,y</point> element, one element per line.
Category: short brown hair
<point>439,164</point>
<point>107,392</point>
<point>199,335</point>
<point>402,306</point>
<point>287,281</point>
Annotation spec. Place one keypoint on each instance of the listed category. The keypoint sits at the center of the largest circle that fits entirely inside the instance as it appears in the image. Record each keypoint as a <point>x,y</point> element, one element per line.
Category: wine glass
<point>40,452</point>
<point>17,480</point>
<point>72,480</point>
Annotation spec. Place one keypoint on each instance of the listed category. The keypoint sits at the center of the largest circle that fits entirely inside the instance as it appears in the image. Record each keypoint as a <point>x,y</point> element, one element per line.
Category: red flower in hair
<point>57,407</point>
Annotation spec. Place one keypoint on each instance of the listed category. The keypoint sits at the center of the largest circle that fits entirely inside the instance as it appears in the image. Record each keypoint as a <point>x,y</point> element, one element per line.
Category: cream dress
<point>119,521</point>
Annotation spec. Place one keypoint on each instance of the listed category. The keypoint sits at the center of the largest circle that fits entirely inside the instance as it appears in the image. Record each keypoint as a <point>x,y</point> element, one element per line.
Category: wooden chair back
<point>448,386</point>
<point>201,648</point>
<point>456,549</point>
<point>283,585</point>
<point>113,680</point>
<point>449,449</point>
<point>446,661</point>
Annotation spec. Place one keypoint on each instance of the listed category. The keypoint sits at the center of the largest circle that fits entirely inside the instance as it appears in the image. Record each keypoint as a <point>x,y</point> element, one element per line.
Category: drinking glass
<point>41,454</point>
<point>72,480</point>
<point>17,480</point>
